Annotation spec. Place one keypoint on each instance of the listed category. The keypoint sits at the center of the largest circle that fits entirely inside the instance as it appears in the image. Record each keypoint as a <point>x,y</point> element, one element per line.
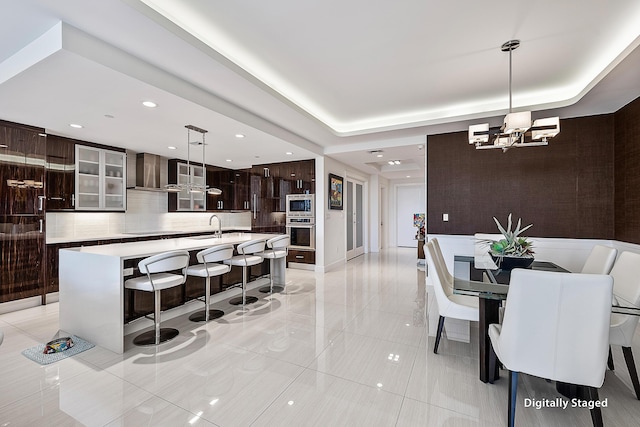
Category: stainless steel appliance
<point>301,206</point>
<point>302,233</point>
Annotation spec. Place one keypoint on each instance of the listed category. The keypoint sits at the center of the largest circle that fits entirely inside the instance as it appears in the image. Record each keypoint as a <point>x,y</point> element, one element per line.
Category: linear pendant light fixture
<point>517,130</point>
<point>191,186</point>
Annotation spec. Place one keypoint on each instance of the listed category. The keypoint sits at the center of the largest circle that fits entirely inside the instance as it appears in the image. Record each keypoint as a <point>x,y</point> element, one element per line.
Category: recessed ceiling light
<point>379,155</point>
<point>171,147</point>
<point>77,126</point>
<point>420,147</point>
<point>397,162</point>
<point>288,153</point>
<point>239,135</point>
<point>228,160</point>
<point>408,176</point>
<point>149,104</point>
<point>390,162</point>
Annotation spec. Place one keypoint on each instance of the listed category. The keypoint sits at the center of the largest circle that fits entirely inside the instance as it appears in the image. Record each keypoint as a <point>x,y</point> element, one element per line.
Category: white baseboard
<point>20,304</point>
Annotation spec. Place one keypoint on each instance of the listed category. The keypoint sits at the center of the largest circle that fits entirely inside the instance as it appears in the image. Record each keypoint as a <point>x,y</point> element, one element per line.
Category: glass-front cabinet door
<point>191,200</point>
<point>100,176</point>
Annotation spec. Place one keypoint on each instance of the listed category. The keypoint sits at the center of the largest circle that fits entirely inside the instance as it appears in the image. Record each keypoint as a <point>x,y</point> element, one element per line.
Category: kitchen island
<point>92,282</point>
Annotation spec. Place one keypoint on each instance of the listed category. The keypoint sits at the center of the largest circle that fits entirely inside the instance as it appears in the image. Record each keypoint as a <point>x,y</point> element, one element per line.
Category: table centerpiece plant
<point>513,250</point>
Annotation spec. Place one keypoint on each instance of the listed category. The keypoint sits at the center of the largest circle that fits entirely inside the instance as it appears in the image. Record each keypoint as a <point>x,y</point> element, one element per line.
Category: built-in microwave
<point>300,205</point>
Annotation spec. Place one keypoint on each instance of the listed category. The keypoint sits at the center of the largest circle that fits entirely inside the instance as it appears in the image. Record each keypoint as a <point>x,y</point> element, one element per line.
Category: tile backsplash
<point>146,211</point>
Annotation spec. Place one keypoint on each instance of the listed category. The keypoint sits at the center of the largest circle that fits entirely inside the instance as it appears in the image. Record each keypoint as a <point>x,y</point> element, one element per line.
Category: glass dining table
<point>479,276</point>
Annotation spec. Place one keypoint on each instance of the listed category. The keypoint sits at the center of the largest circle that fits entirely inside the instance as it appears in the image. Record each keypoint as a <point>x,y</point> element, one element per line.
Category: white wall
<point>408,199</point>
<point>378,212</point>
<point>335,226</point>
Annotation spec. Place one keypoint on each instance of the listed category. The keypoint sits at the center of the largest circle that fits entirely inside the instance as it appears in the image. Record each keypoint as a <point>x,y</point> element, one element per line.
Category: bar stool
<point>278,247</point>
<point>157,278</point>
<point>208,268</point>
<point>246,258</point>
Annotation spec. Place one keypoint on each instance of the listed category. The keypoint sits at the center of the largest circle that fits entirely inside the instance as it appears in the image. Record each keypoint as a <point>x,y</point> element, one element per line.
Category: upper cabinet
<point>242,184</point>
<point>61,177</point>
<point>100,176</point>
<point>222,179</point>
<point>299,176</point>
<point>183,173</point>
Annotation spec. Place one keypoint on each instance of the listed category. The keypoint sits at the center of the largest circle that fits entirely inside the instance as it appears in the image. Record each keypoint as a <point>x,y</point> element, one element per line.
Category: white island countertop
<point>147,248</point>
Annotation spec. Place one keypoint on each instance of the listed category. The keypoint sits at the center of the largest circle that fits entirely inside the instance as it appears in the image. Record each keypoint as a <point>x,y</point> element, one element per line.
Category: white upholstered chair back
<point>251,247</point>
<point>556,326</point>
<point>215,254</point>
<point>600,260</point>
<point>448,277</point>
<point>438,273</point>
<point>278,242</point>
<point>626,284</point>
<point>167,261</point>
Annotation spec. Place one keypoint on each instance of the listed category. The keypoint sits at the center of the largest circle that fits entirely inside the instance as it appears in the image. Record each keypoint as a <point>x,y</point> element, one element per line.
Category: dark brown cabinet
<point>223,179</point>
<point>300,176</point>
<point>22,234</point>
<point>242,198</point>
<point>301,257</point>
<point>60,177</point>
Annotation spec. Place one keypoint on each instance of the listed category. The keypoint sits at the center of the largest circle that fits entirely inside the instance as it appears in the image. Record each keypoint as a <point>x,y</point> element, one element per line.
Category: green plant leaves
<point>512,244</point>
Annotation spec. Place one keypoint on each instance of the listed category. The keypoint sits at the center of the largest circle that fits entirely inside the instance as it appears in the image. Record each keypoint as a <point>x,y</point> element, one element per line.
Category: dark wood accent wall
<point>566,189</point>
<point>627,173</point>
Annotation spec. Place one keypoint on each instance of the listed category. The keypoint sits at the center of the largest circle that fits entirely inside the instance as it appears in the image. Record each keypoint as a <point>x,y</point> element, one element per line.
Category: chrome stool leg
<point>157,335</point>
<point>206,314</point>
<point>244,299</point>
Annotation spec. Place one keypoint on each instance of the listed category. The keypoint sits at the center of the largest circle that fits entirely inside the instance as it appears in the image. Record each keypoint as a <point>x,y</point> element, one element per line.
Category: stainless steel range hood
<point>149,172</point>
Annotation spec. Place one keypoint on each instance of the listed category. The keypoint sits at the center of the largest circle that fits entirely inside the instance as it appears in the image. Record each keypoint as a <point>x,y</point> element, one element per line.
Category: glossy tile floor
<point>346,348</point>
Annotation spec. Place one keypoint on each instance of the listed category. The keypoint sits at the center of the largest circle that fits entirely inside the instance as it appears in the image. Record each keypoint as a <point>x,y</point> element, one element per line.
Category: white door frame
<point>357,251</point>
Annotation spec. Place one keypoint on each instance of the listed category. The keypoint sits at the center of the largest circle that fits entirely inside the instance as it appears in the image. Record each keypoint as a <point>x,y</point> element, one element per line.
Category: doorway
<point>355,219</point>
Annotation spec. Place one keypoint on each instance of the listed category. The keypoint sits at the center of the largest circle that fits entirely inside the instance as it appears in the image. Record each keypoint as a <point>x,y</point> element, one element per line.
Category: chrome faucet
<point>218,233</point>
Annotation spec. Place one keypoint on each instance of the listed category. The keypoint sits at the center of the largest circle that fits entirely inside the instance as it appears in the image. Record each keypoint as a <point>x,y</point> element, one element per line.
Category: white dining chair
<point>440,259</point>
<point>626,285</point>
<point>556,326</point>
<point>450,305</point>
<point>600,260</point>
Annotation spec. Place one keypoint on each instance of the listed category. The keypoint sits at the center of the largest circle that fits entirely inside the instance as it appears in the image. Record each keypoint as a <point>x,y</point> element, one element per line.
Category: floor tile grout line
<point>275,399</point>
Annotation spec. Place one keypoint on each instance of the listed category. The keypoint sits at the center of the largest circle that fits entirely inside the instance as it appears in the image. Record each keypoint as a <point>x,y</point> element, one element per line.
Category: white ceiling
<point>312,78</point>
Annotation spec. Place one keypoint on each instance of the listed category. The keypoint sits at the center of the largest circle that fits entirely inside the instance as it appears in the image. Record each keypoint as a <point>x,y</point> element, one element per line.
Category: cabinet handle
<point>41,225</point>
<point>255,208</point>
<point>221,204</point>
<point>40,203</point>
<point>299,256</point>
<point>73,200</point>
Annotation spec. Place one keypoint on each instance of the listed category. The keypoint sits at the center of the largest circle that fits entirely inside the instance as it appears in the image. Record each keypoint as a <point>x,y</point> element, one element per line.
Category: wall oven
<point>302,233</point>
<point>300,206</point>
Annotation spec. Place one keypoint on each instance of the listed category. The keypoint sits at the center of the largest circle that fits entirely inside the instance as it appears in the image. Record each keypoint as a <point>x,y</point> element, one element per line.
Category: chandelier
<point>195,137</point>
<point>517,129</point>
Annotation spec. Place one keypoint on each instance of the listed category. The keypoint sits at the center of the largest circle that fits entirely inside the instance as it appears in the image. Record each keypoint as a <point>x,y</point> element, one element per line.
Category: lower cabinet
<point>302,257</point>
